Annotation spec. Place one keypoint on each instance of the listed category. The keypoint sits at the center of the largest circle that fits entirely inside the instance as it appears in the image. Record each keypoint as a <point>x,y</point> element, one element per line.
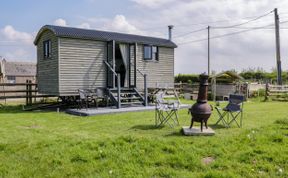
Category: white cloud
<point>16,45</point>
<point>60,22</point>
<point>19,54</point>
<point>9,33</point>
<point>120,24</point>
<point>85,25</point>
<point>153,3</point>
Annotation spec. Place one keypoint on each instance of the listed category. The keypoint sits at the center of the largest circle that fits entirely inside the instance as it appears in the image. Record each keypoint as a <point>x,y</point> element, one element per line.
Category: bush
<point>187,78</point>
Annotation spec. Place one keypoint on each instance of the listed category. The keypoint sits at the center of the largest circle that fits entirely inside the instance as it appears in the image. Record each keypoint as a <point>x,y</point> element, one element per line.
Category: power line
<point>283,22</point>
<point>188,33</point>
<point>254,19</point>
<point>227,34</point>
<point>240,24</point>
<point>205,23</point>
<point>244,18</point>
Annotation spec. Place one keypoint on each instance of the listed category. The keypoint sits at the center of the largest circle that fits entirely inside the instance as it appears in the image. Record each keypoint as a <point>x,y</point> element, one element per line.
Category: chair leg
<point>156,117</point>
<point>166,116</point>
<point>241,119</point>
<point>95,103</point>
<point>177,118</point>
<point>234,118</point>
<point>221,117</point>
<point>79,104</point>
<point>174,116</point>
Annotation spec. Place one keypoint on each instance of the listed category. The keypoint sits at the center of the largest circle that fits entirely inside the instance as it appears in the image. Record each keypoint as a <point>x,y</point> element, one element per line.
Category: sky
<point>20,20</point>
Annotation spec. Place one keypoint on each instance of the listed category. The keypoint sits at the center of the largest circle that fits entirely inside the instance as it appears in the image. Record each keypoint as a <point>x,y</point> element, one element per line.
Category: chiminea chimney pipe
<point>170,27</point>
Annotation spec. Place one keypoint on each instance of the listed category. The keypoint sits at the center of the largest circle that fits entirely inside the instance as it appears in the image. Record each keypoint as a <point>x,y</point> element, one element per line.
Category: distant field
<point>50,144</point>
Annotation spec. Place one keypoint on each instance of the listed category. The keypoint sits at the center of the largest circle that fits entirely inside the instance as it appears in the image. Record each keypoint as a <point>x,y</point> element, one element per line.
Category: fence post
<point>119,90</point>
<point>5,99</point>
<point>266,91</point>
<point>35,93</point>
<point>27,94</point>
<point>145,90</point>
<point>30,92</point>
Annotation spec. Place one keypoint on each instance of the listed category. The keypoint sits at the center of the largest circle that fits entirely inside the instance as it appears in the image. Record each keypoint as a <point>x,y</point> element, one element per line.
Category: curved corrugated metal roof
<point>103,36</point>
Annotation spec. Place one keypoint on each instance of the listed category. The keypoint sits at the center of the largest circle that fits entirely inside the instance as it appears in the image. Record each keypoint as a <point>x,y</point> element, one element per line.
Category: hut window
<point>47,48</point>
<point>150,52</point>
<point>11,79</point>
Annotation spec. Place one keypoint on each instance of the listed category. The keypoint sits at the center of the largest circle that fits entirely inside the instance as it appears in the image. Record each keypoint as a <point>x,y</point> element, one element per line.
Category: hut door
<point>111,61</point>
<point>132,67</point>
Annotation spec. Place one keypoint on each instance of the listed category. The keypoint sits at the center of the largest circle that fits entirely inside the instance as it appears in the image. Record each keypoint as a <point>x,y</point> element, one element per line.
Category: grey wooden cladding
<point>158,72</point>
<point>47,69</point>
<point>81,65</point>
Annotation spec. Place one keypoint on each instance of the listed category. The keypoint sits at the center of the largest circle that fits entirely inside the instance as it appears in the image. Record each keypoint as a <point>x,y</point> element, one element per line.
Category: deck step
<point>122,94</point>
<point>129,96</point>
<point>131,103</point>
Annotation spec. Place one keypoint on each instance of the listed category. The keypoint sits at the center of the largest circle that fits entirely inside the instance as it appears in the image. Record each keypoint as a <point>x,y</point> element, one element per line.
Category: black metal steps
<point>128,97</point>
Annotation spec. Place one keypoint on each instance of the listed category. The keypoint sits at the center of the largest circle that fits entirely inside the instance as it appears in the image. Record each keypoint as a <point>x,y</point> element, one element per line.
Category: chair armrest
<point>173,104</point>
<point>218,108</point>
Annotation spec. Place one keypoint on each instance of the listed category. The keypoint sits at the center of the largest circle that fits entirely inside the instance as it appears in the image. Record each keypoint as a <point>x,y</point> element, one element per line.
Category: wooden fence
<point>221,91</point>
<point>276,92</point>
<point>27,90</point>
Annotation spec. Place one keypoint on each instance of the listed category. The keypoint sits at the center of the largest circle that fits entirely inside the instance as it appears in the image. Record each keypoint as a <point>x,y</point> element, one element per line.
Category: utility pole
<point>208,28</point>
<point>278,57</point>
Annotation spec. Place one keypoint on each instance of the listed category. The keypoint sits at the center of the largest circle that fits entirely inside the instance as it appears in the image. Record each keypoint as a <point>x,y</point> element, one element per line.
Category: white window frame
<point>47,49</point>
<point>153,54</point>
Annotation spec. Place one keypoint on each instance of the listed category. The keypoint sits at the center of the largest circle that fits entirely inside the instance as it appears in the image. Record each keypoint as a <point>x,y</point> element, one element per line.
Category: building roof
<point>229,74</point>
<point>103,36</point>
<point>20,69</point>
<point>227,77</point>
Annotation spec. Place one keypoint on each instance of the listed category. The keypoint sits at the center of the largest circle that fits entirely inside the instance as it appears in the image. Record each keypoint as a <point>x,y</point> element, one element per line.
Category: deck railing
<point>118,76</point>
<point>145,87</point>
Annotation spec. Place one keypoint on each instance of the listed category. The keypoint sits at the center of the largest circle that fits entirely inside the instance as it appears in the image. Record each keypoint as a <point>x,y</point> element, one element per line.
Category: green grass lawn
<point>50,144</point>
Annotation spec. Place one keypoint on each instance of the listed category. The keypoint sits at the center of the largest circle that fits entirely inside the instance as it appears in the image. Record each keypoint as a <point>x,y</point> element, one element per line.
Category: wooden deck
<point>113,110</point>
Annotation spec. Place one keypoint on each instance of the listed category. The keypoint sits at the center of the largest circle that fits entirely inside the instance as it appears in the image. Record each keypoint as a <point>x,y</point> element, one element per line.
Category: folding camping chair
<point>166,111</point>
<point>233,109</point>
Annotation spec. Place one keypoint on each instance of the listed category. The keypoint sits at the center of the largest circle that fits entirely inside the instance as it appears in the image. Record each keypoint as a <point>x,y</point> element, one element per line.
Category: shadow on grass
<point>146,127</point>
<point>11,109</point>
<point>20,109</point>
<point>217,126</point>
<point>175,134</point>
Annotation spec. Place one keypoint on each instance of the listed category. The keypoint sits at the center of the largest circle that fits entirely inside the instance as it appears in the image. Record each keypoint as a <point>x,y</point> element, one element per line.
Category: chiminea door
<point>111,62</point>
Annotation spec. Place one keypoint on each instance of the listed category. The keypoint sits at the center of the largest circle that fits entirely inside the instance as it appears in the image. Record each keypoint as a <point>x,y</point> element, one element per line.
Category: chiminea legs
<point>205,122</point>
<point>191,123</point>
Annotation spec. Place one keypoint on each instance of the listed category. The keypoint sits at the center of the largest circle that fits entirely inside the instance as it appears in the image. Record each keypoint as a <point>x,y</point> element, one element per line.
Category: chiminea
<point>201,110</point>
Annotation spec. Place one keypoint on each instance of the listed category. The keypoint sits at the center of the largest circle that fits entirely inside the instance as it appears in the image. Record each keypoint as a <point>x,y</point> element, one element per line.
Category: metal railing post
<point>145,90</point>
<point>119,90</point>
